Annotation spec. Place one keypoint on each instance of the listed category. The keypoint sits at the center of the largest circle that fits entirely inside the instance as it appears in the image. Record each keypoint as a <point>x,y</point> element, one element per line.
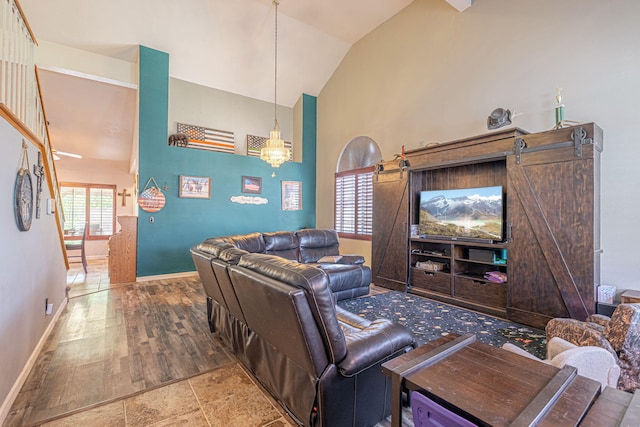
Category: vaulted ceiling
<point>228,45</point>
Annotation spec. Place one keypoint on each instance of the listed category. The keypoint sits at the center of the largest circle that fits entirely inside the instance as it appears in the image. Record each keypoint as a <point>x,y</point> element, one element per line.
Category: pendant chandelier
<point>274,151</point>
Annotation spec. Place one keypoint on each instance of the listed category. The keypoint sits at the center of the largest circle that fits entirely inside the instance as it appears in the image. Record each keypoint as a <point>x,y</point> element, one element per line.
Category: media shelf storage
<point>549,253</point>
<point>473,275</point>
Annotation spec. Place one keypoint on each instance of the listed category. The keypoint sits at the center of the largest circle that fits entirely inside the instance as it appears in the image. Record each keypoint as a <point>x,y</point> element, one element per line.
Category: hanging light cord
<point>275,74</point>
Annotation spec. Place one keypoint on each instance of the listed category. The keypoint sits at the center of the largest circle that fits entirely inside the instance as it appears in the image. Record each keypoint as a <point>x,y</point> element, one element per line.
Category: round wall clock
<point>23,200</point>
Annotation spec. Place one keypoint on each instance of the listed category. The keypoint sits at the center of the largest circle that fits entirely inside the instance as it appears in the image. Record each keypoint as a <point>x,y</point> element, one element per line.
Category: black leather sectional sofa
<point>279,318</point>
<point>348,276</point>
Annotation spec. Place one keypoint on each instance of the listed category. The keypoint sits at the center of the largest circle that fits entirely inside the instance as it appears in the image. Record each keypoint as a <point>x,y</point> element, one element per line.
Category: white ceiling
<point>228,45</point>
<point>88,117</point>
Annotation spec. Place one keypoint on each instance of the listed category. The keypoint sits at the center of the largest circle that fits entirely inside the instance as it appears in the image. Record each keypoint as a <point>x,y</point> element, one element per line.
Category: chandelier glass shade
<point>274,151</point>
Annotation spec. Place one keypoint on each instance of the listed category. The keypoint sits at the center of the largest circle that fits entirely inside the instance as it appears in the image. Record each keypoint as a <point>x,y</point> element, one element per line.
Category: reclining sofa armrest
<point>352,259</point>
<point>341,259</point>
<point>373,344</point>
<point>211,247</point>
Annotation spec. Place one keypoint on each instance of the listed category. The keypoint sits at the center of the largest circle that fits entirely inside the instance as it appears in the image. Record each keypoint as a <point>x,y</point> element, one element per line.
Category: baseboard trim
<point>166,276</point>
<point>22,378</point>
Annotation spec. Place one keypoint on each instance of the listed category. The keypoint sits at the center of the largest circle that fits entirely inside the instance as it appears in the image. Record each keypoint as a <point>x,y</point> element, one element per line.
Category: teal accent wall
<point>308,166</point>
<point>163,246</point>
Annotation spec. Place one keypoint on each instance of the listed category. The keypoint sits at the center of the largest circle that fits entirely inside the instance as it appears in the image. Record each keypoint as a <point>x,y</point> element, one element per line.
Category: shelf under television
<point>458,242</point>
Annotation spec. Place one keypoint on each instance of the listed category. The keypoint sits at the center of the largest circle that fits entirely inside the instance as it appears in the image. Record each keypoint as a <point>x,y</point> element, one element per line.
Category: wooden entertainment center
<point>551,247</point>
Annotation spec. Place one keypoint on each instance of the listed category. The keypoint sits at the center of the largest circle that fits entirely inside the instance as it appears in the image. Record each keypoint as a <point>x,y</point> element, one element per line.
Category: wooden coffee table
<point>490,386</point>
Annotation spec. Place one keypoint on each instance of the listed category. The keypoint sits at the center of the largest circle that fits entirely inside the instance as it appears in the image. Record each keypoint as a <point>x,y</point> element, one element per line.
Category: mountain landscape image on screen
<point>474,213</point>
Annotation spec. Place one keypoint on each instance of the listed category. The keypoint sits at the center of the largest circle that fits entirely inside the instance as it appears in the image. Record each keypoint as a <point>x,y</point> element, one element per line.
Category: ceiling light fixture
<point>274,151</point>
<point>62,153</point>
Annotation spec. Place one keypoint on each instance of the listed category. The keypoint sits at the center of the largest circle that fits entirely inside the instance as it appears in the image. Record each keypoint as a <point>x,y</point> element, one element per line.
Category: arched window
<point>353,214</point>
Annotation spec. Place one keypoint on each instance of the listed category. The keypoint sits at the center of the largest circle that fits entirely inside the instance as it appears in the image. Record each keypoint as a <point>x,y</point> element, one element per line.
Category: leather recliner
<point>279,318</point>
<point>322,363</point>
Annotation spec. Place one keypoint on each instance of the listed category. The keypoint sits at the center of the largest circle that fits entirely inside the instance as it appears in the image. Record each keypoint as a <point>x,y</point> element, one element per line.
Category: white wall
<point>198,105</point>
<point>56,56</point>
<point>31,269</point>
<point>91,171</point>
<point>431,74</point>
<point>69,60</point>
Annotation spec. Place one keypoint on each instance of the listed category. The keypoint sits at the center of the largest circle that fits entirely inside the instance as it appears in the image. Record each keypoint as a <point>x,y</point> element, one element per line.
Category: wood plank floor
<point>119,342</point>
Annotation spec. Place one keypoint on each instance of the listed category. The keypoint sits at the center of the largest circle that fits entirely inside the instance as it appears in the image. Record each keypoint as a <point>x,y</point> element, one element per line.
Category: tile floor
<point>226,397</point>
<point>96,278</point>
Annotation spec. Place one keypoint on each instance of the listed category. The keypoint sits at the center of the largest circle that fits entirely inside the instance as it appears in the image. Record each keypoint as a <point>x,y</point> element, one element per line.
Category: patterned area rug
<point>429,320</point>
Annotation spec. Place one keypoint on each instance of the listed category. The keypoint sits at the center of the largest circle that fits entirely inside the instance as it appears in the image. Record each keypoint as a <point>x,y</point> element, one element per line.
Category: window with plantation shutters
<point>354,203</point>
<point>88,203</point>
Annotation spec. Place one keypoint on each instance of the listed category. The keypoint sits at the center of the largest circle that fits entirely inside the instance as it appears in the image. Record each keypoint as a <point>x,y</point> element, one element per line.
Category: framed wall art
<point>291,195</point>
<point>195,187</point>
<point>252,184</point>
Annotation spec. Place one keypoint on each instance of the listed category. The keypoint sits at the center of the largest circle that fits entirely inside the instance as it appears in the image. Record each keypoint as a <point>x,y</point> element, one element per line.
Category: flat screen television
<point>462,213</point>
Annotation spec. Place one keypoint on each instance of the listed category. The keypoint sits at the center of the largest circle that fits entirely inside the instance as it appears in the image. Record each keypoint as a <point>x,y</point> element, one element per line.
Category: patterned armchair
<point>620,335</point>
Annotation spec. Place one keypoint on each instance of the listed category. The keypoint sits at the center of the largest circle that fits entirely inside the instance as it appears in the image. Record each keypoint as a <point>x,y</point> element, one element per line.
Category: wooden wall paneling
<point>123,251</point>
<point>417,183</point>
<point>466,176</point>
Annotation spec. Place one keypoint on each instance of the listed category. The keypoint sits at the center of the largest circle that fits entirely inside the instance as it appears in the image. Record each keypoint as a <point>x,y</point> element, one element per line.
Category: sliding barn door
<point>389,243</point>
<point>553,225</point>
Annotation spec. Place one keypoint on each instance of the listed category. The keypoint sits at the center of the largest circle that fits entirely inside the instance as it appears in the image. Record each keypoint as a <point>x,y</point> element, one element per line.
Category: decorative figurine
<point>179,140</point>
<point>498,118</point>
<point>559,109</point>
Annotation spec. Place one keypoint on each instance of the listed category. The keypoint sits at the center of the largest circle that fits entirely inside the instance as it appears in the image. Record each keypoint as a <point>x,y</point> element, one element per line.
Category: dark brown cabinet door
<point>553,218</point>
<point>389,249</point>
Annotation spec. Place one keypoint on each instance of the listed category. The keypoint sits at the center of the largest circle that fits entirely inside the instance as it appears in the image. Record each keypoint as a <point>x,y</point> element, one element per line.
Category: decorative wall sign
<point>23,193</point>
<point>151,199</point>
<point>249,200</point>
<point>252,184</point>
<point>255,144</point>
<point>203,138</point>
<point>195,187</point>
<point>124,196</point>
<point>291,195</point>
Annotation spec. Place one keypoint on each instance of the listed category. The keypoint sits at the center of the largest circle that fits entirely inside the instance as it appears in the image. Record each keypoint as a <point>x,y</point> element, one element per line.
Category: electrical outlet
<point>48,308</point>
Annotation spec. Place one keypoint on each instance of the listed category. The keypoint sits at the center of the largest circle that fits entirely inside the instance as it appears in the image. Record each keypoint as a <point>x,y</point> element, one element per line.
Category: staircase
<point>20,98</point>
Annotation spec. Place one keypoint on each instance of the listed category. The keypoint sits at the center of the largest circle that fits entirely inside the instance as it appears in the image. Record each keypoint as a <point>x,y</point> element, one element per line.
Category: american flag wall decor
<point>204,138</point>
<point>255,144</point>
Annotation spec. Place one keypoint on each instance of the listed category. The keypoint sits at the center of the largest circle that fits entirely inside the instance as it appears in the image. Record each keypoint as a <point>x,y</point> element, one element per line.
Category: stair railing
<point>20,98</point>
